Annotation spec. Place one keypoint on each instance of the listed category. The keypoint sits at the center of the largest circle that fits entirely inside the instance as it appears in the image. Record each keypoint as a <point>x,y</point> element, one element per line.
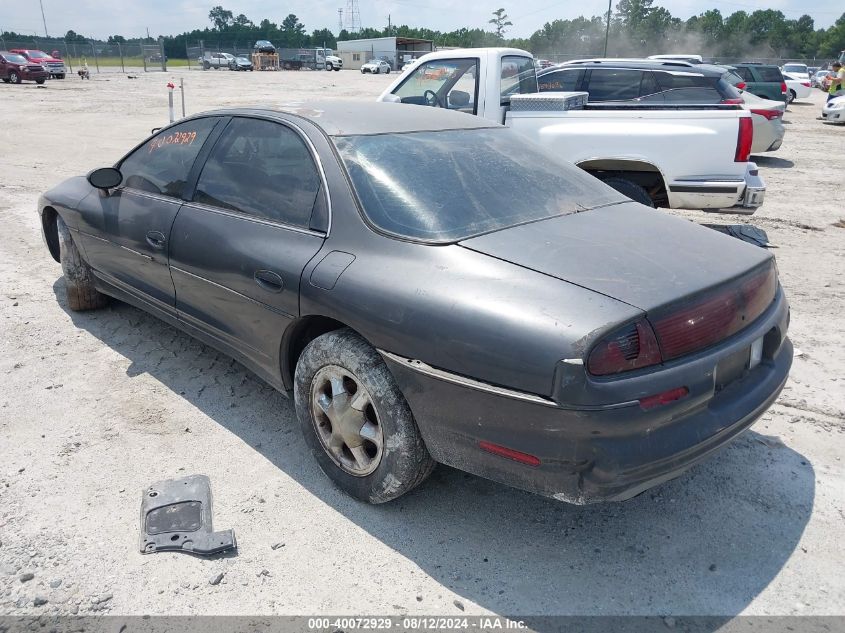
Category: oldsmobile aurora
<point>431,287</point>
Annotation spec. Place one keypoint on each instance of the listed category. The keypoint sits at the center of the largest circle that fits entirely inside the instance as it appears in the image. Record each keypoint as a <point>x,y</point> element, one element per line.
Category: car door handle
<point>156,240</point>
<point>269,281</point>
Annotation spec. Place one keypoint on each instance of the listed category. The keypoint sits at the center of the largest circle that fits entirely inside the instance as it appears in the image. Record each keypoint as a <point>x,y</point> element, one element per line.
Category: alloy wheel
<point>346,421</point>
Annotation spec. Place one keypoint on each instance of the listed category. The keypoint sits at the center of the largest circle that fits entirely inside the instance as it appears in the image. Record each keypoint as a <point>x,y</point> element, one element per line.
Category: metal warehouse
<point>396,51</point>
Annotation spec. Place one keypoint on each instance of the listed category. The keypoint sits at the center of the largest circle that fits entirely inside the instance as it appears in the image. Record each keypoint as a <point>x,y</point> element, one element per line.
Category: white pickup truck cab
<point>693,157</point>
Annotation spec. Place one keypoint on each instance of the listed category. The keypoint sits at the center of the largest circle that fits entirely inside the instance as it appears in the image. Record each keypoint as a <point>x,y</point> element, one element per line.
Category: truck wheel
<point>60,76</point>
<point>356,421</point>
<point>329,66</point>
<point>630,189</point>
<point>337,69</point>
<point>14,77</point>
<point>206,65</point>
<point>79,283</point>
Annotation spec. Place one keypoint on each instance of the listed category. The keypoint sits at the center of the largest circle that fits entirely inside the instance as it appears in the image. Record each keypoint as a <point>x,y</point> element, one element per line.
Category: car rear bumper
<point>607,452</point>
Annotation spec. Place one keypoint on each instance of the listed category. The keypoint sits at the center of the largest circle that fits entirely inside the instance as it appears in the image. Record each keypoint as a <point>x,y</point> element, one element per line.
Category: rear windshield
<point>447,186</point>
<point>769,73</point>
<point>794,68</point>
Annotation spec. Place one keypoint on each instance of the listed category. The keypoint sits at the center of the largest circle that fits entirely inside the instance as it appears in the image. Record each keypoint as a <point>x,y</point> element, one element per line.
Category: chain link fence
<point>97,56</point>
<point>199,55</point>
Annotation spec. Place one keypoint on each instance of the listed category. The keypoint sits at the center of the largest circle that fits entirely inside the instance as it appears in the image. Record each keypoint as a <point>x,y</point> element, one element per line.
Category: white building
<point>396,51</point>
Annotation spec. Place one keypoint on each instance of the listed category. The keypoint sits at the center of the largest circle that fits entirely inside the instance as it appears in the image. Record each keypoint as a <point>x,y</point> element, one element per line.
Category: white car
<point>834,110</point>
<point>376,67</point>
<point>797,86</point>
<point>767,116</point>
<point>800,70</point>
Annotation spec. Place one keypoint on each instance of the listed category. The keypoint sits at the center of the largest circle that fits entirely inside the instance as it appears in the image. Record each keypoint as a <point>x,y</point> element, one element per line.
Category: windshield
<point>15,59</point>
<point>493,177</point>
<point>795,68</point>
<point>38,55</point>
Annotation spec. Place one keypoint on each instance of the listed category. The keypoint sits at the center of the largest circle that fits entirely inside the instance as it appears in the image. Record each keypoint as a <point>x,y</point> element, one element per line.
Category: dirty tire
<point>405,462</point>
<point>631,190</point>
<point>79,284</point>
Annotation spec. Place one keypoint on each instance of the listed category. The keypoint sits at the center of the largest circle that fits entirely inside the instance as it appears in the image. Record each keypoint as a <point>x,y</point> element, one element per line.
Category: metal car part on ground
<point>176,516</point>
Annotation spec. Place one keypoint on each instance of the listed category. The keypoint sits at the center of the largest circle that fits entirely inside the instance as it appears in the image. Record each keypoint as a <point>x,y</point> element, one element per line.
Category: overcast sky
<point>131,18</point>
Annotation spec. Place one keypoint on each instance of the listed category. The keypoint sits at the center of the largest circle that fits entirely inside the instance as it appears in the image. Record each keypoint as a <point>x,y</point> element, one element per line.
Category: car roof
<point>642,64</point>
<point>347,118</point>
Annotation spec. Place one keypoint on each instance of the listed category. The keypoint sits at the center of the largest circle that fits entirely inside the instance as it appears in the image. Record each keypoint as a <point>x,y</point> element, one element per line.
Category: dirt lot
<point>95,406</point>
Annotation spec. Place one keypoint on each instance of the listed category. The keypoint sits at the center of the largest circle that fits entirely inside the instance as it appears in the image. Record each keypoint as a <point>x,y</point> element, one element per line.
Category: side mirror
<point>391,98</point>
<point>105,178</point>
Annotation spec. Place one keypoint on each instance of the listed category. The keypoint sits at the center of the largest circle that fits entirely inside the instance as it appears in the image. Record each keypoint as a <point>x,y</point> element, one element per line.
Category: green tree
<point>220,17</point>
<point>500,22</point>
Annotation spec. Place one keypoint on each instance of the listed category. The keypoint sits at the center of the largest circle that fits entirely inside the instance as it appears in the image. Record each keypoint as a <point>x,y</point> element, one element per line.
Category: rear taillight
<point>708,319</point>
<point>783,87</point>
<point>740,85</point>
<point>771,115</point>
<point>806,84</point>
<point>684,328</point>
<point>743,140</point>
<point>632,347</point>
<point>733,101</point>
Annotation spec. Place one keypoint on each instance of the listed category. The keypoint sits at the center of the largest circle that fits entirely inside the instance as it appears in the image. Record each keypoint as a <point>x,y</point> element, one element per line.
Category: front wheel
<point>329,66</point>
<point>40,81</point>
<point>630,189</point>
<point>79,282</point>
<point>337,69</point>
<point>356,421</point>
<point>60,76</point>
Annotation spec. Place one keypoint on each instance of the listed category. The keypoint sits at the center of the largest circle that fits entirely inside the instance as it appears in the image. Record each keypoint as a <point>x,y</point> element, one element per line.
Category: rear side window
<point>607,84</point>
<point>263,169</point>
<point>744,73</point>
<point>692,95</point>
<point>519,76</point>
<point>561,81</point>
<point>162,164</point>
<point>673,81</point>
<point>770,73</point>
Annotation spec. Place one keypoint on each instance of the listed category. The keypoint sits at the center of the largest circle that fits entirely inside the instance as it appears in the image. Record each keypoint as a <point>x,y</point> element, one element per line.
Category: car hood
<point>627,251</point>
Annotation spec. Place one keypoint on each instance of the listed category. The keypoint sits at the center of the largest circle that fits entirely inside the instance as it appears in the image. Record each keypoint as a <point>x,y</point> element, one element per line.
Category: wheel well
<point>297,337</point>
<point>642,173</point>
<point>51,232</point>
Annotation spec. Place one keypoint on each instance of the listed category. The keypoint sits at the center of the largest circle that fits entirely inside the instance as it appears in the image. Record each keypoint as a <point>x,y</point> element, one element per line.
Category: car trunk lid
<point>629,252</point>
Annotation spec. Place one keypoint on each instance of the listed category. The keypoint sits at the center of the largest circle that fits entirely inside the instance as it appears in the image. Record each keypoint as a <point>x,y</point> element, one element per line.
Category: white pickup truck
<point>693,157</point>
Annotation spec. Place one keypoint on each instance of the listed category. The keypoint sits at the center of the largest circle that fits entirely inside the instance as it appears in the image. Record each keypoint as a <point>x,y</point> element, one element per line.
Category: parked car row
<point>23,64</point>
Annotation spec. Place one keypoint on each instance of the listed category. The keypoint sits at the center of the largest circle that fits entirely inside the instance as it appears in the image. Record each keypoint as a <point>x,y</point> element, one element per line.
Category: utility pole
<point>43,19</point>
<point>607,30</point>
<point>389,26</point>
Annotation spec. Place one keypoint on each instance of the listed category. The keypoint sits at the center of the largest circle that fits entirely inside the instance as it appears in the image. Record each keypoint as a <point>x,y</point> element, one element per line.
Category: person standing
<point>837,82</point>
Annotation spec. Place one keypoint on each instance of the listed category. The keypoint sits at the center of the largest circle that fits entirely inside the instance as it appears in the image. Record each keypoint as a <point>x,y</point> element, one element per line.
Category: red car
<point>16,68</point>
<point>54,66</point>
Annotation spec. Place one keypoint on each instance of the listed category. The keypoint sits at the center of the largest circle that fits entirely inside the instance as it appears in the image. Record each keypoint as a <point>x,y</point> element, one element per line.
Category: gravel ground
<point>96,406</point>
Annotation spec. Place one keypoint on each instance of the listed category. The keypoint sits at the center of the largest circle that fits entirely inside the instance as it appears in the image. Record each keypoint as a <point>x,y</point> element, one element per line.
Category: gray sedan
<point>430,287</point>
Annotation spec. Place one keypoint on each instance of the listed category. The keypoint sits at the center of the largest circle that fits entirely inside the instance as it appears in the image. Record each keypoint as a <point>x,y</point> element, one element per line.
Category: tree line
<point>637,27</point>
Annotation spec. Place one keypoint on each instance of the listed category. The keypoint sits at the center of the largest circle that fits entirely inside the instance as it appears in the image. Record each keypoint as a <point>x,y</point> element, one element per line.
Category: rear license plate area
<point>732,368</point>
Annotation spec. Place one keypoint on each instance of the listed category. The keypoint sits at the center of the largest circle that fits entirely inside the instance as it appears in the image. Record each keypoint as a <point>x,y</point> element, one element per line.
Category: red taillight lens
<point>740,86</point>
<point>771,115</point>
<point>806,84</point>
<point>783,87</point>
<point>743,139</point>
<point>632,347</point>
<point>510,453</point>
<point>733,101</point>
<point>713,317</point>
<point>663,398</point>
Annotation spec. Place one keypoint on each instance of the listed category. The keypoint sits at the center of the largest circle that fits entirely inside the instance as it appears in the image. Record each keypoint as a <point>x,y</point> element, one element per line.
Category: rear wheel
<point>791,96</point>
<point>79,282</point>
<point>40,81</point>
<point>60,76</point>
<point>630,189</point>
<point>14,77</point>
<point>206,65</point>
<point>356,421</point>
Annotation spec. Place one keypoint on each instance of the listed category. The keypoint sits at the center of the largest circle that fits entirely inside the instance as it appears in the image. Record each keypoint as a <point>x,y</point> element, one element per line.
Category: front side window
<point>608,84</point>
<point>263,169</point>
<point>443,83</point>
<point>519,77</point>
<point>162,164</point>
<point>494,179</point>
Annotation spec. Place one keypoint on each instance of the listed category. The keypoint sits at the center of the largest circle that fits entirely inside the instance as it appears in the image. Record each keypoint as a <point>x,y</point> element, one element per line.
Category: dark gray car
<point>430,287</point>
